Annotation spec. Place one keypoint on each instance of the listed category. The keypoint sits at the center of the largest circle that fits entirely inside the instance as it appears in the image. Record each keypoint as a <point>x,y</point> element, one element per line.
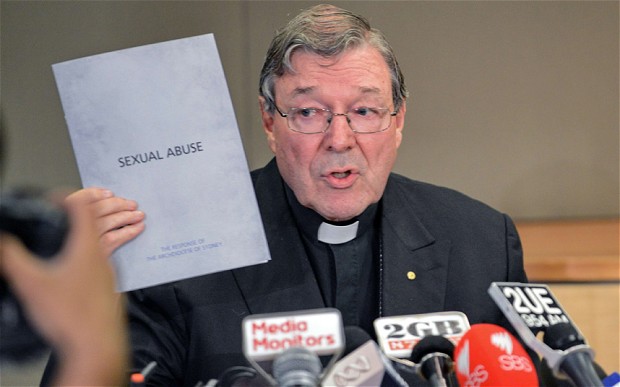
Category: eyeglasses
<point>317,120</point>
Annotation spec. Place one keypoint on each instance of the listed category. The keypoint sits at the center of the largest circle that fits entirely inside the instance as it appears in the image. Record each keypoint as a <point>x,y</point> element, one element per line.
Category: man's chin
<point>340,213</point>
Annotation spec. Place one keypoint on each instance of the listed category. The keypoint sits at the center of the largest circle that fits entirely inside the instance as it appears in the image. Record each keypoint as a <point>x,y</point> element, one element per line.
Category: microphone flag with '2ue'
<point>397,335</point>
<point>268,336</point>
<point>529,305</point>
<point>532,309</point>
<point>488,355</point>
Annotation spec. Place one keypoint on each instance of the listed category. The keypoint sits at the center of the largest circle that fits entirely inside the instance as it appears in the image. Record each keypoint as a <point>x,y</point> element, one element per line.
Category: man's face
<point>338,173</point>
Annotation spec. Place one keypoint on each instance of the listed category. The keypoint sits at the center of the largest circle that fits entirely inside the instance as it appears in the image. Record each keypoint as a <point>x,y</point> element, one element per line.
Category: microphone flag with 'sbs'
<point>532,309</point>
<point>488,355</point>
<point>267,336</point>
<point>397,335</point>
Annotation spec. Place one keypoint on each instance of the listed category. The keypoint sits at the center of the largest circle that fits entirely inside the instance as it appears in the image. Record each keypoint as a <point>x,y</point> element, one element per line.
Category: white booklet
<point>156,124</point>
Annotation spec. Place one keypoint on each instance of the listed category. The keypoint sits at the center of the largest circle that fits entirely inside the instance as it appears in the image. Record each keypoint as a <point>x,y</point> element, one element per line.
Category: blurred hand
<point>118,220</point>
<point>70,298</point>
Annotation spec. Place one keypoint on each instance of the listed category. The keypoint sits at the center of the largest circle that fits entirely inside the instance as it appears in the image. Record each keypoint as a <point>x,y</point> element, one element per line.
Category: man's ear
<point>399,123</point>
<point>268,122</point>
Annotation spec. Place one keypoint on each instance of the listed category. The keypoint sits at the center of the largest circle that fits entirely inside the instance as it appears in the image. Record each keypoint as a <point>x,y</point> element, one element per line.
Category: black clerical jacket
<point>456,247</point>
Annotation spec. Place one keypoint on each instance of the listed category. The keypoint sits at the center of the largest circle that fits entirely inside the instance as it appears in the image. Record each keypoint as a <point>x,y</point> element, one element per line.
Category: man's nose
<point>339,135</point>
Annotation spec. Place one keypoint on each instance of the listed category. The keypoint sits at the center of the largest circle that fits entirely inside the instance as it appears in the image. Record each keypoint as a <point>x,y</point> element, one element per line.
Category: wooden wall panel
<point>579,259</point>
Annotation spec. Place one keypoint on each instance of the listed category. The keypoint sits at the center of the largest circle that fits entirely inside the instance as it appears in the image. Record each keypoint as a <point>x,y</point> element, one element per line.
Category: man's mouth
<point>342,179</point>
<point>341,175</point>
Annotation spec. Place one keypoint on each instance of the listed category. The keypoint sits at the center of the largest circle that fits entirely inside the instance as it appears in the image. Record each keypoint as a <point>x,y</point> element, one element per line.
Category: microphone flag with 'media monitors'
<point>267,336</point>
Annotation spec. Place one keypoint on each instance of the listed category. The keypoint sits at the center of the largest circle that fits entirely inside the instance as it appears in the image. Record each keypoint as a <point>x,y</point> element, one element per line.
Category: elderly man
<point>343,231</point>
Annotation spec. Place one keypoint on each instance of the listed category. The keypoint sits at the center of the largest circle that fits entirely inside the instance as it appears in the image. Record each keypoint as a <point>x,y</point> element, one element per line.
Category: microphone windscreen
<point>431,344</point>
<point>562,336</point>
<point>237,376</point>
<point>488,355</point>
<point>297,366</point>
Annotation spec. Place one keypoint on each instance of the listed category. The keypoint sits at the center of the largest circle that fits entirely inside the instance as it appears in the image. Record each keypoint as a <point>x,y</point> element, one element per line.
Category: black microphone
<point>237,376</point>
<point>577,362</point>
<point>433,358</point>
<point>297,367</point>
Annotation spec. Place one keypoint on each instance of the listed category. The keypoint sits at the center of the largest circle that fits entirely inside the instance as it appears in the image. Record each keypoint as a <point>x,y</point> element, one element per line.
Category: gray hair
<point>328,31</point>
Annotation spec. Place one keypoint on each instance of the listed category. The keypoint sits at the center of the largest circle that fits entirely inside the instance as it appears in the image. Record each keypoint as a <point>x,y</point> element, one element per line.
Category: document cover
<point>156,124</point>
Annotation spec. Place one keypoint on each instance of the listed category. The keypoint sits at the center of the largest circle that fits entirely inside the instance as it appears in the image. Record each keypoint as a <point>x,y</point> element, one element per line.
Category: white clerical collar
<point>335,235</point>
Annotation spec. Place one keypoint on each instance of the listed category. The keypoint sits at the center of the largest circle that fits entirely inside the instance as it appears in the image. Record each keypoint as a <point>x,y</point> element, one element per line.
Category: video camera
<point>42,227</point>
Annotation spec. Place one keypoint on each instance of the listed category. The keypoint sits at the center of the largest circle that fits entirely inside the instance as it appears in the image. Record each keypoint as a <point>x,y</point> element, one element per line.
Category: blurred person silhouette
<point>67,295</point>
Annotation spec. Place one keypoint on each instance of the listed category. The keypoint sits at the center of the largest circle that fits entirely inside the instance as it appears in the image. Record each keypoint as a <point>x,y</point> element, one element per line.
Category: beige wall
<point>514,103</point>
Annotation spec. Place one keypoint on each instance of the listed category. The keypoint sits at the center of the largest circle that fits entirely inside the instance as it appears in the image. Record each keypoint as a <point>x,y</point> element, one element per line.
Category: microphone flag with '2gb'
<point>397,335</point>
<point>266,337</point>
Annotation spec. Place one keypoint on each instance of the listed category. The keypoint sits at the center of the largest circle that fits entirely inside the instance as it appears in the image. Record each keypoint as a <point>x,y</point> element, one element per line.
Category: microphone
<point>363,365</point>
<point>398,335</point>
<point>488,355</point>
<point>576,363</point>
<point>236,376</point>
<point>297,367</point>
<point>266,338</point>
<point>433,358</point>
<point>532,309</point>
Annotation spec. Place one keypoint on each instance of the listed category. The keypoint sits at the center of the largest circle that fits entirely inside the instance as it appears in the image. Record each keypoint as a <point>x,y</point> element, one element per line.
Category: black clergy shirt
<point>348,273</point>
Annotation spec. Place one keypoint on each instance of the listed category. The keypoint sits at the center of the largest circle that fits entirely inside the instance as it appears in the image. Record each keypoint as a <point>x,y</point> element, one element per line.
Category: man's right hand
<point>118,220</point>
